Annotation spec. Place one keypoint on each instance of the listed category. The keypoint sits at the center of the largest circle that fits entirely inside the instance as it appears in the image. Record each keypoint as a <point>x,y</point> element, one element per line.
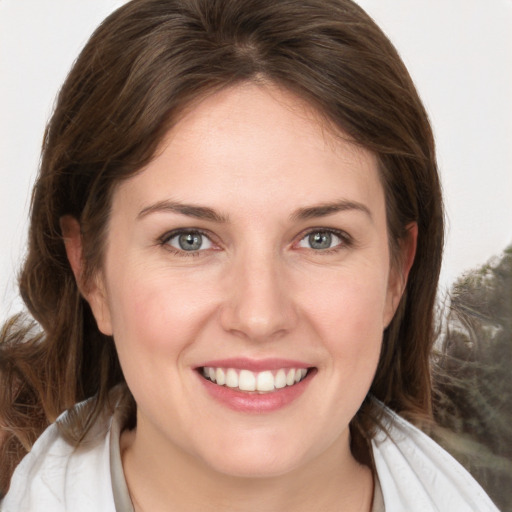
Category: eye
<point>188,241</point>
<point>322,240</point>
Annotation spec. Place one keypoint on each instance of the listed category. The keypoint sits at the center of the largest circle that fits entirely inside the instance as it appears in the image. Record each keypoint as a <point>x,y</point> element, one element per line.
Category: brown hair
<point>142,66</point>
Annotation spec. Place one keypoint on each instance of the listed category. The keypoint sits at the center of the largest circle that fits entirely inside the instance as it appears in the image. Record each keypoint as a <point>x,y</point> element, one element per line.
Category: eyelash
<point>165,239</point>
<point>346,240</point>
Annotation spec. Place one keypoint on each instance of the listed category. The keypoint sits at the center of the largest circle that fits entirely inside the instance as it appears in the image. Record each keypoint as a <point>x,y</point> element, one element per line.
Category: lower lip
<point>253,402</point>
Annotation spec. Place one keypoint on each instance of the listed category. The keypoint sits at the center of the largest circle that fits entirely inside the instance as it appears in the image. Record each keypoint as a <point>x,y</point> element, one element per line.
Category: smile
<point>266,381</point>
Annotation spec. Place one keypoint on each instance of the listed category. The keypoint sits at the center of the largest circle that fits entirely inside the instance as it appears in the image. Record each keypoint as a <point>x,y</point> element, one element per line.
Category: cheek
<point>156,311</point>
<point>348,315</point>
<point>354,301</point>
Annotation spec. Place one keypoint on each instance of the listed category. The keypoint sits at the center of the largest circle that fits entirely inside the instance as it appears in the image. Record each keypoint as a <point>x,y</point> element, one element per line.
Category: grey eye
<point>190,241</point>
<point>320,240</point>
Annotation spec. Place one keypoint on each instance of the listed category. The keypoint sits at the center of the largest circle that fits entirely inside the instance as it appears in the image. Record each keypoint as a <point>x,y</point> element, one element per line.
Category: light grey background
<point>459,53</point>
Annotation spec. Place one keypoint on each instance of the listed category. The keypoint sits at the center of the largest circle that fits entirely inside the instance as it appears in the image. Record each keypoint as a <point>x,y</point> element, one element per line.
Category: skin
<point>255,155</point>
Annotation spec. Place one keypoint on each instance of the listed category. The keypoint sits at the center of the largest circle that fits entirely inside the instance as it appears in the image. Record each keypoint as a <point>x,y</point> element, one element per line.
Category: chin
<point>260,468</point>
<point>255,455</point>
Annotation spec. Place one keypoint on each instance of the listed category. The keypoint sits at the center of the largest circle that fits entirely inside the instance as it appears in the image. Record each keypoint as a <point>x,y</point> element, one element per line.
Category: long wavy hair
<point>144,64</point>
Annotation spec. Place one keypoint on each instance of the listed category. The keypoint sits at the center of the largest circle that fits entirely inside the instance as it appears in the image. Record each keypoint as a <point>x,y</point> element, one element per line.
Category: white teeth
<point>231,378</point>
<point>280,379</point>
<point>246,381</point>
<point>220,377</point>
<point>262,382</point>
<point>265,381</point>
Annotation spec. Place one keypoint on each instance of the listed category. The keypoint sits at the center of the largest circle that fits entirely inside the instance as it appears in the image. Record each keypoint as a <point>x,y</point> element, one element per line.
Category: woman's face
<point>251,253</point>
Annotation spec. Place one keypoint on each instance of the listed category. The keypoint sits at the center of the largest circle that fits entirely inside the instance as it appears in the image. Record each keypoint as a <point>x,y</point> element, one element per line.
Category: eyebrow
<point>205,213</point>
<point>325,209</point>
<point>197,212</point>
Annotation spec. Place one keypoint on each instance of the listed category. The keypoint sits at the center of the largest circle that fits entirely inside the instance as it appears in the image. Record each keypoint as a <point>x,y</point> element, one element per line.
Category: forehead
<point>255,142</point>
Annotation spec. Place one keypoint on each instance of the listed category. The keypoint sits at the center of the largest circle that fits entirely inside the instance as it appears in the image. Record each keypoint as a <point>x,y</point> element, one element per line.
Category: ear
<point>400,269</point>
<point>93,292</point>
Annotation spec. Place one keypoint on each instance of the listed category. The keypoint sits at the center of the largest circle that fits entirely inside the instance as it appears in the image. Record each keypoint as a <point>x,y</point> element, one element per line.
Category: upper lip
<point>255,365</point>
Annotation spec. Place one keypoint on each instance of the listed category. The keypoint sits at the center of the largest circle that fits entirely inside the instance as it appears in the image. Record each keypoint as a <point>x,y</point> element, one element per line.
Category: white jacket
<point>415,474</point>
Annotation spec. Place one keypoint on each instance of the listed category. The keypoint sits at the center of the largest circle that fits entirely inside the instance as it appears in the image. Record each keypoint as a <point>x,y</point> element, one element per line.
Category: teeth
<point>280,379</point>
<point>231,378</point>
<point>262,382</point>
<point>220,376</point>
<point>247,381</point>
<point>265,381</point>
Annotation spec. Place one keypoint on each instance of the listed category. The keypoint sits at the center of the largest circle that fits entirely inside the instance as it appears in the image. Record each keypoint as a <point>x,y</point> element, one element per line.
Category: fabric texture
<point>414,474</point>
<point>120,491</point>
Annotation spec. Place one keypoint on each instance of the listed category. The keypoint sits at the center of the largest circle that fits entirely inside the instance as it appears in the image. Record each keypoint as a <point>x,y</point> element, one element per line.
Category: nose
<point>258,305</point>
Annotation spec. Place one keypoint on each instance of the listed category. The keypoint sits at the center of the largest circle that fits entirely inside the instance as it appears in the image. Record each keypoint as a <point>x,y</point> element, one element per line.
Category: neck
<point>174,480</point>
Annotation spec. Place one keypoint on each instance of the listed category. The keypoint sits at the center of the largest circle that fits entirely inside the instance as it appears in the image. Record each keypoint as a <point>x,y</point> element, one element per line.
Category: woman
<point>235,241</point>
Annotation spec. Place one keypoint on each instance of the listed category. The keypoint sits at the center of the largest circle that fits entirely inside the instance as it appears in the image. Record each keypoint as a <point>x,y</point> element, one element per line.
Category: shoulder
<point>416,474</point>
<point>57,476</point>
